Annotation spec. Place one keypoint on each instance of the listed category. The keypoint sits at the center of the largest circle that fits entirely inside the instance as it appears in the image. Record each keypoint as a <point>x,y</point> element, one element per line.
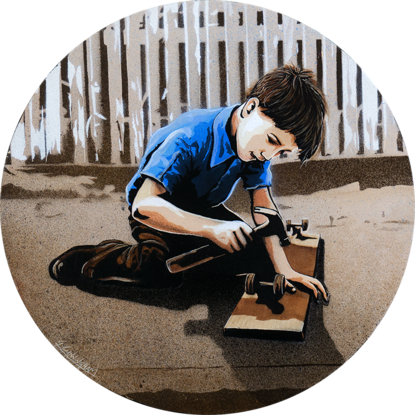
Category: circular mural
<point>163,102</point>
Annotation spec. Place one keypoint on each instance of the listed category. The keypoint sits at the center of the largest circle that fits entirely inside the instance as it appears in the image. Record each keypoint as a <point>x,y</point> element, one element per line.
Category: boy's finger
<point>321,288</point>
<point>315,285</point>
<point>311,287</point>
<point>235,244</point>
<point>226,245</point>
<point>247,230</point>
<point>230,248</point>
<point>289,287</point>
<point>241,238</point>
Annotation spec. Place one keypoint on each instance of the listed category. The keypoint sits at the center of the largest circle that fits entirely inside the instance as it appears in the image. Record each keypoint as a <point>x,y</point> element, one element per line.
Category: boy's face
<point>257,138</point>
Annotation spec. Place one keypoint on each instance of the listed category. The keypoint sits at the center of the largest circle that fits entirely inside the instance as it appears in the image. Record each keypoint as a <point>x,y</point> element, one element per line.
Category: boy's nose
<point>267,155</point>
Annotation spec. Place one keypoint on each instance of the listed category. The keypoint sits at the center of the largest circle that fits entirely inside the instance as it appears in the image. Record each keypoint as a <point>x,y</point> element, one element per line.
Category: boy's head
<point>284,110</point>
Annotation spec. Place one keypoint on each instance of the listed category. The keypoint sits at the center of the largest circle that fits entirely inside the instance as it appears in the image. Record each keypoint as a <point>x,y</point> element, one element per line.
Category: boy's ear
<point>249,106</point>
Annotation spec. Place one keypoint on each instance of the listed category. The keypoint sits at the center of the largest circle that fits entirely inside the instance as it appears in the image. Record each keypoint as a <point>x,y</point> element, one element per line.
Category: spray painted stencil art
<point>200,200</point>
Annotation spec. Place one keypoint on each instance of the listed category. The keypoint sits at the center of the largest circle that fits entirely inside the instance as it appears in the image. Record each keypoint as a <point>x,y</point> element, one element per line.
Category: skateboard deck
<point>287,318</point>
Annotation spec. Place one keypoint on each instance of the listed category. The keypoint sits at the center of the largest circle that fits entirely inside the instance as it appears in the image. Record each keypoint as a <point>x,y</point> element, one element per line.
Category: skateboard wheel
<point>304,224</point>
<point>279,285</point>
<point>249,284</point>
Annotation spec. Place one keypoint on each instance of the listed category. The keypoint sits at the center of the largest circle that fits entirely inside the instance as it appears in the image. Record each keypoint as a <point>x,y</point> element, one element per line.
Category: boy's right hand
<point>230,235</point>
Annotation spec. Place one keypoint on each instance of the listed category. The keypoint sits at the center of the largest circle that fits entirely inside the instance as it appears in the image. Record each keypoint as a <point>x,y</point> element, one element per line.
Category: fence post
<point>99,121</point>
<point>379,129</point>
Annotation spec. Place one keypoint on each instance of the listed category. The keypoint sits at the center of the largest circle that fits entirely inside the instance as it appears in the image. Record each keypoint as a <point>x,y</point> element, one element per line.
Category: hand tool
<point>272,226</point>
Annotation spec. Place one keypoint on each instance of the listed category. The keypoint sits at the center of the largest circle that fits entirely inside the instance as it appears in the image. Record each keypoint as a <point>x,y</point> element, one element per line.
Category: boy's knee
<point>145,263</point>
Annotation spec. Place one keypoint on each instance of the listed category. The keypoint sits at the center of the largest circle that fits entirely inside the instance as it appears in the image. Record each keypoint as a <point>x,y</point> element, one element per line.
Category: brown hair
<point>292,99</point>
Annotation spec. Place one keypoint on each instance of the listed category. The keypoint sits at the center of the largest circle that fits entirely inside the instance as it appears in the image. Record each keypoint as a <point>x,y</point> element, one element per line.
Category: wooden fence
<point>103,101</point>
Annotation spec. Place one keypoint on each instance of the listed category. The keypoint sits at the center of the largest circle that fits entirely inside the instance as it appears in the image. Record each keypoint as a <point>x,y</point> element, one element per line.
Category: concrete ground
<point>166,348</point>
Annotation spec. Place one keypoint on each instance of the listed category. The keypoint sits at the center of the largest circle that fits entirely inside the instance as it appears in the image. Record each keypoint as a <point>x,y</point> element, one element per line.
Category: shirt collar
<point>222,148</point>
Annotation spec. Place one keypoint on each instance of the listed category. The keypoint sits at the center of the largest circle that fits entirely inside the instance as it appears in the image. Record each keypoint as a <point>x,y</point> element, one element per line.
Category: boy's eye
<point>272,141</point>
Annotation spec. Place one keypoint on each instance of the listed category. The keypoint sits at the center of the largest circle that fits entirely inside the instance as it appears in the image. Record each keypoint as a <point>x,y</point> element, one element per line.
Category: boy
<point>190,168</point>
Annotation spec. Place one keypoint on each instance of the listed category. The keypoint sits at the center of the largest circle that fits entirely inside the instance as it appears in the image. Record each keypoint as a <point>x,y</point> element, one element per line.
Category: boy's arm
<point>262,197</point>
<point>153,210</point>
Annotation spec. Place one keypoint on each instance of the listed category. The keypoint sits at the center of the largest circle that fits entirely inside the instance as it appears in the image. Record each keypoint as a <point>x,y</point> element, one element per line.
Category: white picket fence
<point>105,99</point>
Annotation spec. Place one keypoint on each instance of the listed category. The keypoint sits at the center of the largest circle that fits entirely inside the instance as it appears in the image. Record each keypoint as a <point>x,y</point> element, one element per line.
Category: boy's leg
<point>144,263</point>
<point>152,256</point>
<point>176,244</point>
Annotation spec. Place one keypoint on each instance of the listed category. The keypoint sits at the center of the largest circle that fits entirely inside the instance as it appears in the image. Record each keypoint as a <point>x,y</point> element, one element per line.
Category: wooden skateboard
<point>285,318</point>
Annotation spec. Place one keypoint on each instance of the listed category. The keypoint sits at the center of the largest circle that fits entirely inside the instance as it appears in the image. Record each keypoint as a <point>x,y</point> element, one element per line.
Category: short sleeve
<point>256,175</point>
<point>169,163</point>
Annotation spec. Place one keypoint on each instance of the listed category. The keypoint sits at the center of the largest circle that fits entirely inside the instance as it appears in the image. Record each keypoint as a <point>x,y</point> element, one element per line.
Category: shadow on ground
<point>318,175</point>
<point>221,293</point>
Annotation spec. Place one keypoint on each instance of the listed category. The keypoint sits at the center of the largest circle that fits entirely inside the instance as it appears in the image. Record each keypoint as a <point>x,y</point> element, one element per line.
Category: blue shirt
<point>194,161</point>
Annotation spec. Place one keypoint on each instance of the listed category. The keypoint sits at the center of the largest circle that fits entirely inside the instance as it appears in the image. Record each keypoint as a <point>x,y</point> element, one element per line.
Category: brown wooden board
<point>251,319</point>
<point>285,319</point>
<point>302,253</point>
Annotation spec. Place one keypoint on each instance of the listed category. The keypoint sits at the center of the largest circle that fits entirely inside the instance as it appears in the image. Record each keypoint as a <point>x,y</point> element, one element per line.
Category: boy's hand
<point>230,235</point>
<point>311,283</point>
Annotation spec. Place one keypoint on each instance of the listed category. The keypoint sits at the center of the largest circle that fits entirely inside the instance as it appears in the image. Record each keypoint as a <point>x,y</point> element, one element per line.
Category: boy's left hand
<point>311,283</point>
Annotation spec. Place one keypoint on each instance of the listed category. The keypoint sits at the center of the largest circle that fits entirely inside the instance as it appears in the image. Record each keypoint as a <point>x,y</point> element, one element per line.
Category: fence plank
<point>154,48</point>
<point>339,85</point>
<point>175,60</point>
<point>16,154</point>
<point>53,110</point>
<point>118,106</point>
<point>254,34</point>
<point>99,121</point>
<point>140,73</point>
<point>273,33</point>
<point>349,106</point>
<point>359,107</point>
<point>236,52</point>
<point>392,138</point>
<point>380,128</point>
<point>216,54</point>
<point>37,130</point>
<point>399,143</point>
<point>392,131</point>
<point>126,150</point>
<point>330,89</point>
<point>310,37</point>
<point>67,151</point>
<point>28,133</point>
<point>292,33</point>
<point>78,120</point>
<point>89,142</point>
<point>370,111</point>
<point>319,78</point>
<point>193,53</point>
<point>134,40</point>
